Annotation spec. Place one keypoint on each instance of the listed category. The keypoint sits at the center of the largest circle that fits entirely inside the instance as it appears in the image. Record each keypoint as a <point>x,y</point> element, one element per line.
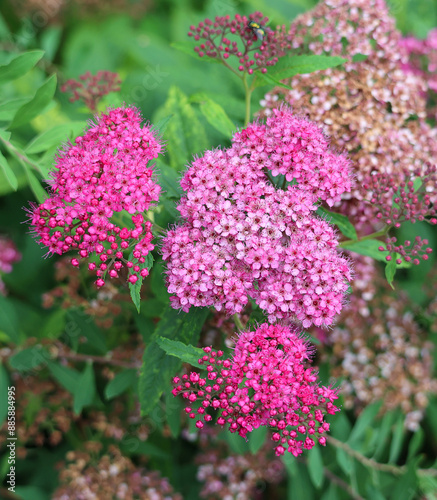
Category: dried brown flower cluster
<point>379,350</point>
<point>43,410</point>
<point>369,107</point>
<point>104,307</point>
<point>92,474</point>
<point>228,475</point>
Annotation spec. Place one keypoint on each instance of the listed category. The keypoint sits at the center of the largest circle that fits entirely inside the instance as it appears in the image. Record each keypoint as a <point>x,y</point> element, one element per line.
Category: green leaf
<point>390,271</point>
<point>341,221</point>
<point>9,174</point>
<point>237,443</point>
<point>8,109</point>
<point>290,66</point>
<point>257,438</point>
<point>168,179</point>
<point>9,320</point>
<point>29,358</point>
<point>33,108</point>
<point>186,353</point>
<point>66,376</point>
<point>359,57</point>
<point>397,440</point>
<point>35,185</point>
<point>4,384</point>
<point>384,433</point>
<point>85,389</point>
<point>158,368</point>
<point>188,48</point>
<point>315,467</point>
<point>121,383</point>
<point>215,114</point>
<point>162,124</point>
<point>81,325</point>
<point>20,65</point>
<point>365,420</point>
<point>185,135</point>
<point>345,461</point>
<point>56,135</point>
<point>370,247</point>
<point>405,488</point>
<point>173,408</point>
<point>415,443</point>
<point>135,288</point>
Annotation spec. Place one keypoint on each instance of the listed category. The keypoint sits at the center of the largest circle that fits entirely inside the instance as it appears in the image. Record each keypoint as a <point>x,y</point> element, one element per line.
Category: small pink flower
<point>266,383</point>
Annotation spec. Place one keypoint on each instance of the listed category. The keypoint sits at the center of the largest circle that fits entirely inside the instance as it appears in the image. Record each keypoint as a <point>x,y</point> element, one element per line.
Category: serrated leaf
<point>188,48</point>
<point>158,368</point>
<point>54,136</point>
<point>370,247</point>
<point>364,421</point>
<point>215,114</point>
<point>135,288</point>
<point>184,135</point>
<point>29,358</point>
<point>20,65</point>
<point>257,438</point>
<point>9,174</point>
<point>85,389</point>
<point>36,105</point>
<point>121,383</point>
<point>81,325</point>
<point>186,353</point>
<point>67,377</point>
<point>341,221</point>
<point>290,66</point>
<point>315,467</point>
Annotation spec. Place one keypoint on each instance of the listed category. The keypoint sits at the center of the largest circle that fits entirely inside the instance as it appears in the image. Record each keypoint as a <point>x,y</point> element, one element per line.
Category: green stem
<point>372,236</point>
<point>248,90</point>
<point>12,149</point>
<point>238,322</point>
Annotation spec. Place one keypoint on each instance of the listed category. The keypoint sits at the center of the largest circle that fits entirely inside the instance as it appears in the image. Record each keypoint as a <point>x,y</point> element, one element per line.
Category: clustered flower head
<point>8,256</point>
<point>266,383</point>
<point>379,351</point>
<point>91,88</point>
<point>101,186</point>
<point>224,37</point>
<point>422,61</point>
<point>114,476</point>
<point>244,237</point>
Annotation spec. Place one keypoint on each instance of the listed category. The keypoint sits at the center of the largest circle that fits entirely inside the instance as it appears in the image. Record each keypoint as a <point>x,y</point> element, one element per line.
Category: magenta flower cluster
<point>266,383</point>
<point>244,237</point>
<point>223,38</point>
<point>8,256</point>
<point>101,186</point>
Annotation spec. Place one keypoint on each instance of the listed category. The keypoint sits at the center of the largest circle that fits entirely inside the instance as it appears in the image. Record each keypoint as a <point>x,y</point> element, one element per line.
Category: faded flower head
<point>255,48</point>
<point>243,236</point>
<point>101,186</point>
<point>265,383</point>
<point>91,88</point>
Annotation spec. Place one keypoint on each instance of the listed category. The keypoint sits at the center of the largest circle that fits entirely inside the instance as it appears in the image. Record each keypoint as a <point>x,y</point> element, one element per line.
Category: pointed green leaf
<point>81,325</point>
<point>135,288</point>
<point>29,358</point>
<point>158,368</point>
<point>364,421</point>
<point>54,136</point>
<point>257,438</point>
<point>371,248</point>
<point>237,443</point>
<point>20,65</point>
<point>8,109</point>
<point>399,435</point>
<point>33,108</point>
<point>9,173</point>
<point>390,270</point>
<point>35,186</point>
<point>186,353</point>
<point>215,114</point>
<point>315,466</point>
<point>340,220</point>
<point>121,383</point>
<point>67,377</point>
<point>9,320</point>
<point>85,389</point>
<point>184,134</point>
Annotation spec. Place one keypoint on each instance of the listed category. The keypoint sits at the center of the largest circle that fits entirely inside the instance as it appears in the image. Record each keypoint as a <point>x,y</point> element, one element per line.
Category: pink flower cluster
<point>252,54</point>
<point>8,256</point>
<point>244,237</point>
<point>266,383</point>
<point>100,188</point>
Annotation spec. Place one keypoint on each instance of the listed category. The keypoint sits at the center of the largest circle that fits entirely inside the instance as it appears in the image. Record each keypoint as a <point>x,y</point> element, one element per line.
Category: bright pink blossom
<point>100,189</point>
<point>266,383</point>
<point>244,237</point>
<point>8,256</point>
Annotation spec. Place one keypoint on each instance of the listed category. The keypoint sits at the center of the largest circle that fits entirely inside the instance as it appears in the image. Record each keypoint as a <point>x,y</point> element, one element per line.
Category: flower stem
<point>372,236</point>
<point>248,90</point>
<point>238,322</point>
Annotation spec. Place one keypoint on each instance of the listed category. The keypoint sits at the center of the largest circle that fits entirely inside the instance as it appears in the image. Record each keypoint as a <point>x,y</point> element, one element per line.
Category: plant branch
<point>238,322</point>
<point>342,484</point>
<point>74,356</point>
<point>372,236</point>
<point>12,149</point>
